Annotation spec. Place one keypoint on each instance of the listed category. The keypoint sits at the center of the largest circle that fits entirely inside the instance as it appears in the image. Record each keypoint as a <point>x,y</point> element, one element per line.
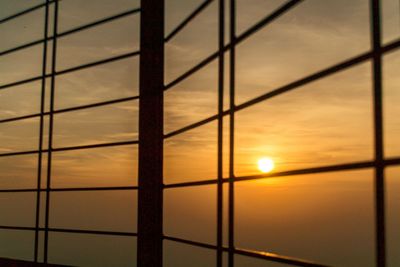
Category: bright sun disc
<point>266,165</point>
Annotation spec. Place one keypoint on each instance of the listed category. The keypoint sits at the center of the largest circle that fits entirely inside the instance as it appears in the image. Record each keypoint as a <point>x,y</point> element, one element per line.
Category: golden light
<point>266,165</point>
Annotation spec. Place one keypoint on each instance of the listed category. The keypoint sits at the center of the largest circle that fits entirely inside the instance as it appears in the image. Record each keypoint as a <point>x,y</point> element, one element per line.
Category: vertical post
<point>231,207</point>
<point>50,141</point>
<point>41,124</point>
<point>150,203</point>
<point>378,130</point>
<point>221,19</point>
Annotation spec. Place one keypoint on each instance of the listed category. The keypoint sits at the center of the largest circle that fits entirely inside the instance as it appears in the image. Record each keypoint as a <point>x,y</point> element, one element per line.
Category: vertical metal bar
<point>42,104</point>
<point>150,203</point>
<point>221,40</point>
<point>231,207</point>
<point>378,129</point>
<point>50,141</point>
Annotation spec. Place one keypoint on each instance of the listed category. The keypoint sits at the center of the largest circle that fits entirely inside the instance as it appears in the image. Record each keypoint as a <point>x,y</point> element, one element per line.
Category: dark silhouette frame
<point>151,137</point>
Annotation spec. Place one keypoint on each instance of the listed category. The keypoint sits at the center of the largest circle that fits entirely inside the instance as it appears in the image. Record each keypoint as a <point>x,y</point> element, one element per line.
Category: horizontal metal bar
<point>132,142</point>
<point>22,190</point>
<point>390,47</point>
<point>76,231</point>
<point>20,82</point>
<point>267,20</point>
<point>84,66</point>
<point>26,11</point>
<point>188,19</point>
<point>19,153</point>
<point>74,30</point>
<point>110,188</point>
<point>193,70</point>
<point>99,62</point>
<point>23,46</point>
<point>98,104</point>
<point>189,242</point>
<point>26,263</point>
<point>93,232</point>
<point>323,169</point>
<point>99,22</point>
<point>24,117</point>
<point>251,253</point>
<point>195,183</point>
<point>25,228</point>
<point>391,161</point>
<point>194,125</point>
<point>277,258</point>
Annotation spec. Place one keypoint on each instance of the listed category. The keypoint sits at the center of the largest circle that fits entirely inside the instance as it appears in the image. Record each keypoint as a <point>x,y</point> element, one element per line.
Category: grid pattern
<point>52,39</point>
<point>379,163</point>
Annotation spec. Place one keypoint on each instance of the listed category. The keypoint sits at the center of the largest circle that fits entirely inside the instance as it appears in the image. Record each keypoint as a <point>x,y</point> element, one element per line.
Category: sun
<point>266,165</point>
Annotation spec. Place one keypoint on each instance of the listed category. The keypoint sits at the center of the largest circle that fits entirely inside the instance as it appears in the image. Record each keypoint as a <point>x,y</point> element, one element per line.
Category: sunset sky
<point>328,218</point>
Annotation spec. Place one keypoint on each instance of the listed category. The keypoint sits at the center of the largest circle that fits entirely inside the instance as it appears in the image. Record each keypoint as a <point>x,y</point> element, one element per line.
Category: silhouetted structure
<point>151,137</point>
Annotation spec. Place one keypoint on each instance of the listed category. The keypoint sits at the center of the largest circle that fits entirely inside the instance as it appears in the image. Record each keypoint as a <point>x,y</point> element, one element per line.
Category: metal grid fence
<point>151,101</point>
<point>54,36</point>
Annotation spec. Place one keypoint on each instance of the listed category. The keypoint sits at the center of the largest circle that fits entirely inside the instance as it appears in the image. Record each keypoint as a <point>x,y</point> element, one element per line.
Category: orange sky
<point>322,123</point>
